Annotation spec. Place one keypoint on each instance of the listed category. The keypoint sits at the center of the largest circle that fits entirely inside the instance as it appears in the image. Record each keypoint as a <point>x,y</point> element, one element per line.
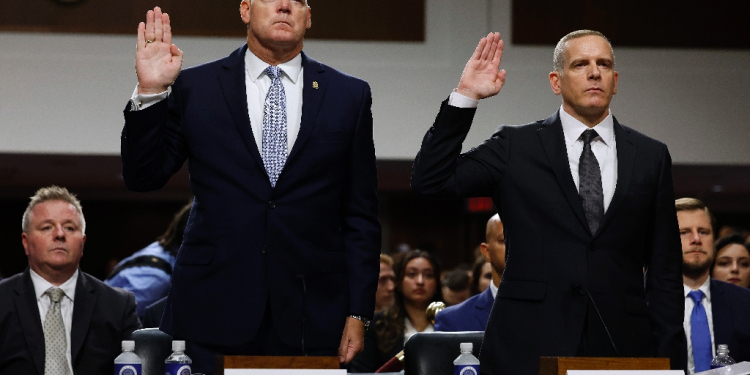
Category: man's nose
<point>59,233</point>
<point>593,71</point>
<point>284,5</point>
<point>695,237</point>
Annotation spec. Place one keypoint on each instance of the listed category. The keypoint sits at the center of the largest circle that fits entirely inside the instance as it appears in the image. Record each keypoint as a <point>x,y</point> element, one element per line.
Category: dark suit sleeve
<point>130,318</point>
<point>441,170</point>
<point>359,206</point>
<point>664,291</point>
<point>442,324</point>
<point>152,144</point>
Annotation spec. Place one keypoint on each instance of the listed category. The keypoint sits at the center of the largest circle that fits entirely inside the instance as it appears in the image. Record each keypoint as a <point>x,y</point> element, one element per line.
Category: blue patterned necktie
<point>700,336</point>
<point>274,147</point>
<point>590,182</point>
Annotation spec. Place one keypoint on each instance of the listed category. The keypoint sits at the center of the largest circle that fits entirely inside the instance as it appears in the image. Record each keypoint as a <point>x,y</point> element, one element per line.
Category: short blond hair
<point>694,204</point>
<point>52,193</point>
<point>558,58</point>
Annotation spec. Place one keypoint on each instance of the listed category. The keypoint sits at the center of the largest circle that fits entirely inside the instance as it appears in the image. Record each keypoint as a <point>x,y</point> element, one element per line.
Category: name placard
<point>626,372</point>
<point>234,371</point>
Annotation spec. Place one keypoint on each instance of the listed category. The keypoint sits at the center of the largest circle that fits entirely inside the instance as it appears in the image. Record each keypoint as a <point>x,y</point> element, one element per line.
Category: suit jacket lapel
<point>83,310</point>
<point>625,165</point>
<point>483,306</point>
<point>31,322</point>
<point>313,92</point>
<point>232,82</point>
<point>721,311</point>
<point>553,141</point>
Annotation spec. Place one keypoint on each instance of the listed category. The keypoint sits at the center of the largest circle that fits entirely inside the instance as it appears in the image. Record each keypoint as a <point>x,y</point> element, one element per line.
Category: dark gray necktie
<point>590,182</point>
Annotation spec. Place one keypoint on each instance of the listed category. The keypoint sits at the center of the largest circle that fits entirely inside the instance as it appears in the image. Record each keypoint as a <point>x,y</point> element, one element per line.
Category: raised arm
<point>440,169</point>
<point>157,60</point>
<point>481,77</point>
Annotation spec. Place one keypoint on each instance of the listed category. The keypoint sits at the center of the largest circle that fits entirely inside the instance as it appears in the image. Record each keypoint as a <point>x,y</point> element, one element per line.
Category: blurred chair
<point>153,346</point>
<point>434,352</point>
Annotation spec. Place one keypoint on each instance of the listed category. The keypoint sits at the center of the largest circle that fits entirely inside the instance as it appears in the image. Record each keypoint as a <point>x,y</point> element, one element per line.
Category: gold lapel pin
<point>315,85</point>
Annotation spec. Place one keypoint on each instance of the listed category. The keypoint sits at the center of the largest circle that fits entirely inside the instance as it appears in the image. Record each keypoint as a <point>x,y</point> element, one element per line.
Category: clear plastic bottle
<point>466,363</point>
<point>722,357</point>
<point>178,363</point>
<point>128,363</point>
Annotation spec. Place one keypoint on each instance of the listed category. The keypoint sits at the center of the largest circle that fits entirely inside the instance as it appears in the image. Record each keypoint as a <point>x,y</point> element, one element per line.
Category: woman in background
<point>732,261</point>
<point>482,276</point>
<point>416,287</point>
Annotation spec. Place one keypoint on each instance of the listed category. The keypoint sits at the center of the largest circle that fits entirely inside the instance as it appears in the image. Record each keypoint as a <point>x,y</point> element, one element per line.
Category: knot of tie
<point>274,72</point>
<point>55,294</point>
<point>696,296</point>
<point>589,135</point>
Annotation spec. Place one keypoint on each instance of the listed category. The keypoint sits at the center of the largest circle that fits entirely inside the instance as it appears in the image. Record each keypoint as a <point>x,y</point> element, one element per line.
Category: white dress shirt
<point>66,304</point>
<point>257,84</point>
<point>410,331</point>
<point>603,146</point>
<point>689,304</point>
<point>493,289</point>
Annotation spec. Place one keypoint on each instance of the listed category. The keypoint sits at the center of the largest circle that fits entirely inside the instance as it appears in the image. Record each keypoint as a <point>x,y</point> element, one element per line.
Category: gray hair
<point>558,59</point>
<point>52,193</point>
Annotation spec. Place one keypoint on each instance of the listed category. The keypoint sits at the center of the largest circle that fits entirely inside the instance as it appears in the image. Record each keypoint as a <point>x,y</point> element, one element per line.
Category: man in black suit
<point>280,254</point>
<point>723,311</point>
<point>55,319</point>
<point>586,202</point>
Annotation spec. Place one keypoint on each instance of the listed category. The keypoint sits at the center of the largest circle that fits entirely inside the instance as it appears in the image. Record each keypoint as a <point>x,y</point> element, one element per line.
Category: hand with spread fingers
<point>481,78</point>
<point>157,60</point>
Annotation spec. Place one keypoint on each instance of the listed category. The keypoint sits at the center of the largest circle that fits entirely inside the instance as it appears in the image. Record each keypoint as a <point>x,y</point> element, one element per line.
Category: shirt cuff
<point>461,101</point>
<point>143,101</point>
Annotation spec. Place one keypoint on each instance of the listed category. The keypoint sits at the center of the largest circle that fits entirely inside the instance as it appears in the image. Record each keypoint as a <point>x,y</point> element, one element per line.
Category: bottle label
<point>177,369</point>
<point>466,370</point>
<point>128,369</point>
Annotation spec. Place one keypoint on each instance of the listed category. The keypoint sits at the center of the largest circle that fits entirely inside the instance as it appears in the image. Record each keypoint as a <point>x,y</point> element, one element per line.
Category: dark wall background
<point>120,222</point>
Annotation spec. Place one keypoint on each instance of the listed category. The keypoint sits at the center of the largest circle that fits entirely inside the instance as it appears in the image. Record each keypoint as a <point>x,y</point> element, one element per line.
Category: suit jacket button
<point>592,247</point>
<point>264,249</point>
<point>272,204</point>
<point>581,292</point>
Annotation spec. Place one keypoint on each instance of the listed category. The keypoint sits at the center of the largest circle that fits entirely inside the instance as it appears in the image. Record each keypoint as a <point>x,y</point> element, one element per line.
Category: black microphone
<point>576,287</point>
<point>304,300</point>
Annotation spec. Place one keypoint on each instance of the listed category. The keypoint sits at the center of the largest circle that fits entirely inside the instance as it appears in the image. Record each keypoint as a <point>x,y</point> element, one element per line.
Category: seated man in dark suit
<point>472,314</point>
<point>55,319</point>
<point>715,312</point>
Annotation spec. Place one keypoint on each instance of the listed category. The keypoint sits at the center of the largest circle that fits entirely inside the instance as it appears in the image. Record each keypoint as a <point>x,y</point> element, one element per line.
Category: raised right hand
<point>157,60</point>
<point>481,78</point>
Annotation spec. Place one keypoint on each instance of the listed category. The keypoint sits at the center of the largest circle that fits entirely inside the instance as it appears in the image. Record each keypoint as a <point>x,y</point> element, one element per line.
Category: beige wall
<point>64,93</point>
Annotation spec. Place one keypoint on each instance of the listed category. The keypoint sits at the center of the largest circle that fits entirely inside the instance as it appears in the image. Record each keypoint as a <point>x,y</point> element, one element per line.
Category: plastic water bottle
<point>722,357</point>
<point>128,363</point>
<point>178,363</point>
<point>466,363</point>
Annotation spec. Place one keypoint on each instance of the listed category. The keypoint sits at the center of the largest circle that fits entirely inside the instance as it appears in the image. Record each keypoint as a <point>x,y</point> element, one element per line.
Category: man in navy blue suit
<point>472,314</point>
<point>280,253</point>
<point>724,315</point>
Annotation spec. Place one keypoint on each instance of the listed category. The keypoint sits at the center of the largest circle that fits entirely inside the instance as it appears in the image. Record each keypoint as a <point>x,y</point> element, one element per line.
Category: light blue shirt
<point>147,283</point>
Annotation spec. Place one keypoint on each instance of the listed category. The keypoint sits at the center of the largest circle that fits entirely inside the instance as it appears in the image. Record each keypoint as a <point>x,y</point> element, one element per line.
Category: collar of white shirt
<point>41,285</point>
<point>572,129</point>
<point>705,288</point>
<point>493,289</point>
<point>256,67</point>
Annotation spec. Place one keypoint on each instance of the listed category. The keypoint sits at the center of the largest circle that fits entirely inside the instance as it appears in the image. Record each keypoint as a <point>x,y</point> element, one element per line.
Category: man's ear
<point>617,77</point>
<point>245,11</point>
<point>484,248</point>
<point>554,82</point>
<point>25,242</point>
<point>309,17</point>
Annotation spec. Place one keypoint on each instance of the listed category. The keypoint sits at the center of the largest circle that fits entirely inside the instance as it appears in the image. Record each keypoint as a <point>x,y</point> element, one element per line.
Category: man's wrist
<point>362,319</point>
